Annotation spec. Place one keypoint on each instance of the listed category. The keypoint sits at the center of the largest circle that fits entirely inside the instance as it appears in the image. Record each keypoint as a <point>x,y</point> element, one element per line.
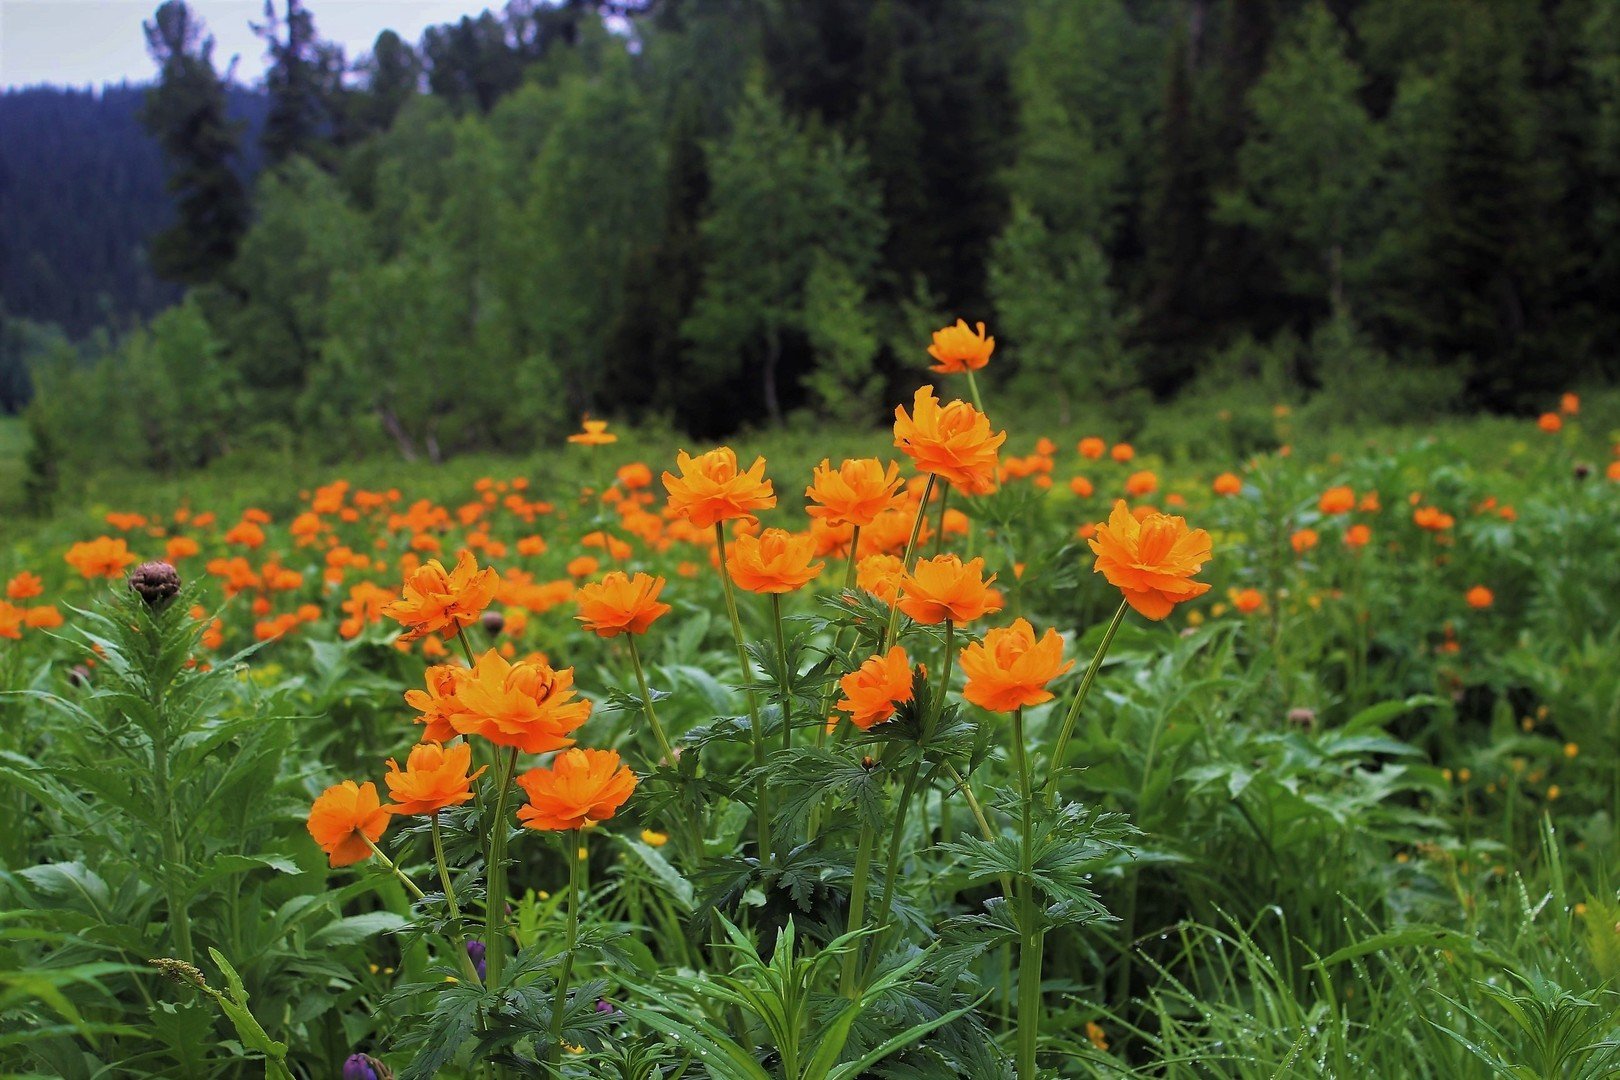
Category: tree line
<point>726,211</point>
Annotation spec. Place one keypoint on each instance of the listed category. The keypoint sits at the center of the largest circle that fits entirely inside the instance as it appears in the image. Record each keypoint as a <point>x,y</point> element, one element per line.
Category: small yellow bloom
<point>1553,793</point>
<point>1571,749</point>
<point>1580,909</point>
<point>654,839</point>
<point>1095,1033</point>
<point>451,979</point>
<point>1402,857</point>
<point>583,854</point>
<point>1464,775</point>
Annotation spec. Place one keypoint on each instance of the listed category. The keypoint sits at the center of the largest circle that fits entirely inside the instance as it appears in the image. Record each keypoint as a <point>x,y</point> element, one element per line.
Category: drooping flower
<point>710,488</point>
<point>1011,667</point>
<point>528,705</point>
<point>1151,561</point>
<point>101,557</point>
<point>852,494</point>
<point>957,349</point>
<point>620,604</point>
<point>433,778</point>
<point>593,433</point>
<point>873,690</point>
<point>1479,597</point>
<point>436,601</point>
<point>579,787</point>
<point>775,561</point>
<point>343,818</point>
<point>945,587</point>
<point>954,441</point>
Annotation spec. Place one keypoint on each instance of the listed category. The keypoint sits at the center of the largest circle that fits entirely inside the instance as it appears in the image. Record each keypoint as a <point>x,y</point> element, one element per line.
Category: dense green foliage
<point>1363,828</point>
<point>717,211</point>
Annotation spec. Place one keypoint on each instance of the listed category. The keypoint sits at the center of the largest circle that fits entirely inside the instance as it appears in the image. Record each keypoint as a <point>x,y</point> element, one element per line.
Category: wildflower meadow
<point>963,751</point>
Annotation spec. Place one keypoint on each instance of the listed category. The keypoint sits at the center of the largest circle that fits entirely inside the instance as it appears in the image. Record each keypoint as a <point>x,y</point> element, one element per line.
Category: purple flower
<point>604,1006</point>
<point>475,952</point>
<point>358,1067</point>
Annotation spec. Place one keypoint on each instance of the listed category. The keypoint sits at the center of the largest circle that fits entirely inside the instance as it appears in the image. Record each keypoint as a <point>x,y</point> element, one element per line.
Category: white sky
<point>90,42</point>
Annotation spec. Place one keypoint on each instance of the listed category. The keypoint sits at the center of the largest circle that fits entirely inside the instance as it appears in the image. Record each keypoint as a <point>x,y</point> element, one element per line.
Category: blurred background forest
<point>709,214</point>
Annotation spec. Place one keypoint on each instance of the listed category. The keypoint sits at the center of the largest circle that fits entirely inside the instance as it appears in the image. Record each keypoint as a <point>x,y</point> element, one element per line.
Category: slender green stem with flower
<point>973,390</point>
<point>495,902</point>
<point>892,870</point>
<point>1032,936</point>
<point>694,830</point>
<point>905,562</point>
<point>756,736</point>
<point>939,530</point>
<point>784,690</point>
<point>559,1002</point>
<point>466,646</point>
<point>1067,730</point>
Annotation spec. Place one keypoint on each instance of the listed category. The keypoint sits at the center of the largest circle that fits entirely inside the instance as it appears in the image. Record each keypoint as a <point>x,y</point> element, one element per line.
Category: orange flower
<point>101,557</point>
<point>945,587</point>
<point>1303,540</point>
<point>775,561</point>
<point>180,547</point>
<point>634,476</point>
<point>1569,404</point>
<point>872,690</point>
<point>1122,452</point>
<point>25,586</point>
<point>433,778</point>
<point>1227,484</point>
<point>1247,600</point>
<point>528,705</point>
<point>1081,487</point>
<point>435,601</point>
<point>582,566</point>
<point>11,620</point>
<point>953,442</point>
<point>1011,667</point>
<point>710,489</point>
<point>1152,561</point>
<point>1337,500</point>
<point>880,575</point>
<point>1614,471</point>
<point>854,493</point>
<point>1551,423</point>
<point>580,787</point>
<point>1092,447</point>
<point>619,604</point>
<point>45,617</point>
<point>1480,597</point>
<point>958,349</point>
<point>1432,518</point>
<point>1141,483</point>
<point>1357,536</point>
<point>594,433</point>
<point>344,817</point>
<point>438,703</point>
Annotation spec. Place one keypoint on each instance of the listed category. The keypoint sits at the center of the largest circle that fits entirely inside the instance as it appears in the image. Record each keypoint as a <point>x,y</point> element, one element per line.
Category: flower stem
<point>939,530</point>
<point>466,646</point>
<point>457,936</point>
<point>784,691</point>
<point>695,839</point>
<point>905,562</point>
<point>1031,936</point>
<point>892,870</point>
<point>973,389</point>
<point>762,807</point>
<point>393,868</point>
<point>575,841</point>
<point>1073,715</point>
<point>857,906</point>
<point>495,902</point>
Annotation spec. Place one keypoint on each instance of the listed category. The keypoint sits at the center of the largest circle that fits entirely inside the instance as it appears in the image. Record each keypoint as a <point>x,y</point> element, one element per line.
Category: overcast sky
<point>90,42</point>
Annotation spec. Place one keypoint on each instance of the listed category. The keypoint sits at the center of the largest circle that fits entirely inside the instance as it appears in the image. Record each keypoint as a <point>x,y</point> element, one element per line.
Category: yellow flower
<point>654,839</point>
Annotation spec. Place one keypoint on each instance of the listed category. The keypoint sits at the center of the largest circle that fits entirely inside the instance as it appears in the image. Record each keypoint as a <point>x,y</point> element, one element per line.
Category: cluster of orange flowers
<point>14,618</point>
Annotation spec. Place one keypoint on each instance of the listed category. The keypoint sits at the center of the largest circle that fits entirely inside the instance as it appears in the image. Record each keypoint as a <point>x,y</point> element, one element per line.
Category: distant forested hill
<point>81,190</point>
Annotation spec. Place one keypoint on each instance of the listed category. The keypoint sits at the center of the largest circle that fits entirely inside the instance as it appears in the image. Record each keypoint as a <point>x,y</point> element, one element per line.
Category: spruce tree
<point>185,112</point>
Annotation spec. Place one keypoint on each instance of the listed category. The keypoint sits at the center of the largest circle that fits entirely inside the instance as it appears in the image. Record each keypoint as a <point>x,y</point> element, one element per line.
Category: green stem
<point>984,822</point>
<point>784,690</point>
<point>973,389</point>
<point>1064,734</point>
<point>694,831</point>
<point>393,868</point>
<point>939,529</point>
<point>905,563</point>
<point>762,807</point>
<point>466,647</point>
<point>892,869</point>
<point>456,934</point>
<point>813,826</point>
<point>559,1001</point>
<point>1031,936</point>
<point>857,906</point>
<point>495,902</point>
<point>173,856</point>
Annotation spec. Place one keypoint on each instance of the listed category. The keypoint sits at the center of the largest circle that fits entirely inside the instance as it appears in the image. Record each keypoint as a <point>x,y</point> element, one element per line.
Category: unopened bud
<point>493,622</point>
<point>155,582</point>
